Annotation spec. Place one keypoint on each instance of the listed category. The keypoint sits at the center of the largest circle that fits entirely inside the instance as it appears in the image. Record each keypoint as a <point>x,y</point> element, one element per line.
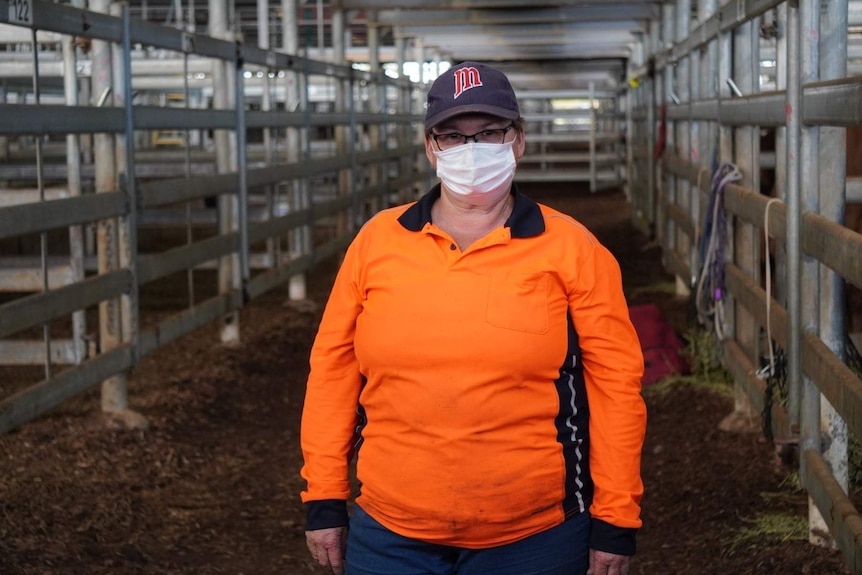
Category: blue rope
<point>710,289</point>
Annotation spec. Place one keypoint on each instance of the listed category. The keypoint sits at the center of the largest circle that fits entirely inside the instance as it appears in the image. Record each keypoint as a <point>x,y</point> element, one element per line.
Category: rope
<point>774,381</point>
<point>768,286</point>
<point>769,372</point>
<point>709,296</point>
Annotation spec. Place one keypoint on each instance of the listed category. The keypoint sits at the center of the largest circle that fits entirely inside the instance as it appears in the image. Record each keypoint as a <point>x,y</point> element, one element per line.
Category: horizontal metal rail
<point>63,19</point>
<point>187,321</point>
<point>32,352</point>
<point>155,266</point>
<point>52,119</point>
<point>40,308</point>
<point>33,401</point>
<point>832,103</point>
<point>834,245</point>
<point>36,217</point>
<point>843,519</point>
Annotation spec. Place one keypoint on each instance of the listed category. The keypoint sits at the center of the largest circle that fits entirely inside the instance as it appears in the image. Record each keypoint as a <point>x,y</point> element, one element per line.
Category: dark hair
<point>519,124</point>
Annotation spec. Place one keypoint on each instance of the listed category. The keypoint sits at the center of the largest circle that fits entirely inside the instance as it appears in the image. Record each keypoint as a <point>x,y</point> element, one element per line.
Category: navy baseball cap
<point>470,87</point>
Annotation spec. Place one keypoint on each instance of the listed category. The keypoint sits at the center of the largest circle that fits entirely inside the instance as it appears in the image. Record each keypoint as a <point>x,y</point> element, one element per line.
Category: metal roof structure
<point>541,45</point>
<point>546,45</point>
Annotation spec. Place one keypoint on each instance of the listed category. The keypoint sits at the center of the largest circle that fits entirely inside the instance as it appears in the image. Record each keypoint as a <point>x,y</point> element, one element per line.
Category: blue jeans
<point>374,550</point>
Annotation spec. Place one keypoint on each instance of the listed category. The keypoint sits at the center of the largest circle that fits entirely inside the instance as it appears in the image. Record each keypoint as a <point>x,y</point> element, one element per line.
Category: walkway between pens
<point>212,486</point>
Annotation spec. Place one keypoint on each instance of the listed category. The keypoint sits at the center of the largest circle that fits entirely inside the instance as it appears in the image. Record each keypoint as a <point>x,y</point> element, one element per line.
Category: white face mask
<point>480,173</point>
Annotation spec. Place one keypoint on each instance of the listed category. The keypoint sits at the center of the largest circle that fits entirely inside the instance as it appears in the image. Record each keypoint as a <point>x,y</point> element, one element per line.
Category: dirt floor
<point>211,487</point>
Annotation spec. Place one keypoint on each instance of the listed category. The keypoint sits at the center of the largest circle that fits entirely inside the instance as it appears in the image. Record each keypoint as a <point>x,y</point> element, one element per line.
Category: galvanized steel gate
<point>707,80</point>
<point>282,204</point>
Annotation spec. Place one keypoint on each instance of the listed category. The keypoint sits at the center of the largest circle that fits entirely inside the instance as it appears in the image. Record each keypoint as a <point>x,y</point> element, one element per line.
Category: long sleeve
<point>613,364</point>
<point>330,413</point>
<point>452,371</point>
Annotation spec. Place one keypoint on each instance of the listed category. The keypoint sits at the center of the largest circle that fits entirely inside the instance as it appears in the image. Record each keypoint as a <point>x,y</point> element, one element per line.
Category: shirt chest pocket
<point>519,301</point>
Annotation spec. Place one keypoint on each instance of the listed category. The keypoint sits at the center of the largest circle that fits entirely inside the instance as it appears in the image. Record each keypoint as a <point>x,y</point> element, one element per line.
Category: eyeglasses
<point>454,139</point>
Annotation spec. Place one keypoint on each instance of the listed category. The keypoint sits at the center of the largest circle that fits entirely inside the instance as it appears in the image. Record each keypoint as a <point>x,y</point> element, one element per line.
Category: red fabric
<point>662,347</point>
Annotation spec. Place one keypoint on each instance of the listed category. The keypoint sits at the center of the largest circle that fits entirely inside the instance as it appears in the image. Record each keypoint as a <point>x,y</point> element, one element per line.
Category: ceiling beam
<point>474,4</point>
<point>468,35</point>
<point>499,52</point>
<point>576,30</point>
<point>535,15</point>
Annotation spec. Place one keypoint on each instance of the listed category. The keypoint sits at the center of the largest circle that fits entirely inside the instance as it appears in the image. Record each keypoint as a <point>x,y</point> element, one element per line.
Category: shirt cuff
<point>325,513</point>
<point>612,539</point>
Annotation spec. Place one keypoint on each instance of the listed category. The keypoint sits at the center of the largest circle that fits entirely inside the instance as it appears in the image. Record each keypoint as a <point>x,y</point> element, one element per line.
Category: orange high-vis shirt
<point>488,394</point>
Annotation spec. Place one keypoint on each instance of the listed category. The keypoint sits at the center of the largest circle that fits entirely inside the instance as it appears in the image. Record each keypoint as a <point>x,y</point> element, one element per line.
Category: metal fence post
<point>593,130</point>
<point>128,229</point>
<point>666,192</point>
<point>780,190</point>
<point>683,197</point>
<point>4,140</point>
<point>343,134</point>
<point>225,143</point>
<point>299,239</point>
<point>73,181</point>
<point>40,184</point>
<point>652,99</point>
<point>242,171</point>
<point>377,100</point>
<point>746,58</point>
<point>833,167</point>
<point>114,393</point>
<point>404,103</point>
<point>708,135</point>
<point>794,221</point>
<point>263,42</point>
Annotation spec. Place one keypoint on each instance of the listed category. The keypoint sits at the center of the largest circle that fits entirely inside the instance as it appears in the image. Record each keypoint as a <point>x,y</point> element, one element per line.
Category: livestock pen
<point>163,167</point>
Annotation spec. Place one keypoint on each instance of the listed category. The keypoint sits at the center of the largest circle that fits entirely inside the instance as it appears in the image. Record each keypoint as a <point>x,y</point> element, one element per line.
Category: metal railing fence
<point>316,177</point>
<point>700,103</point>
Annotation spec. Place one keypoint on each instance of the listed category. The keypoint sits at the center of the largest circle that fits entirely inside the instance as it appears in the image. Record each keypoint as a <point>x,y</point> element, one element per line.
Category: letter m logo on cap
<point>466,78</point>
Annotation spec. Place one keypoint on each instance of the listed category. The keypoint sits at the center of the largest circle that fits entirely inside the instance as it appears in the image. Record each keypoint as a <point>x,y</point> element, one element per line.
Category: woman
<point>477,357</point>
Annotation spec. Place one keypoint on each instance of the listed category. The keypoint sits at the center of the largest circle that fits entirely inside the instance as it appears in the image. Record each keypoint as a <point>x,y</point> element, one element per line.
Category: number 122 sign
<point>20,12</point>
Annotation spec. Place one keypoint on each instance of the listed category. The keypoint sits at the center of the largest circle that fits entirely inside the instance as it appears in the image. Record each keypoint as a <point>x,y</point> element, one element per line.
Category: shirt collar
<point>525,221</point>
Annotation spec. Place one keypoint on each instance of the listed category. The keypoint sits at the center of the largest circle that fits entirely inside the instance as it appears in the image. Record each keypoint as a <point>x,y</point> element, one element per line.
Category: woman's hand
<point>603,563</point>
<point>327,547</point>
